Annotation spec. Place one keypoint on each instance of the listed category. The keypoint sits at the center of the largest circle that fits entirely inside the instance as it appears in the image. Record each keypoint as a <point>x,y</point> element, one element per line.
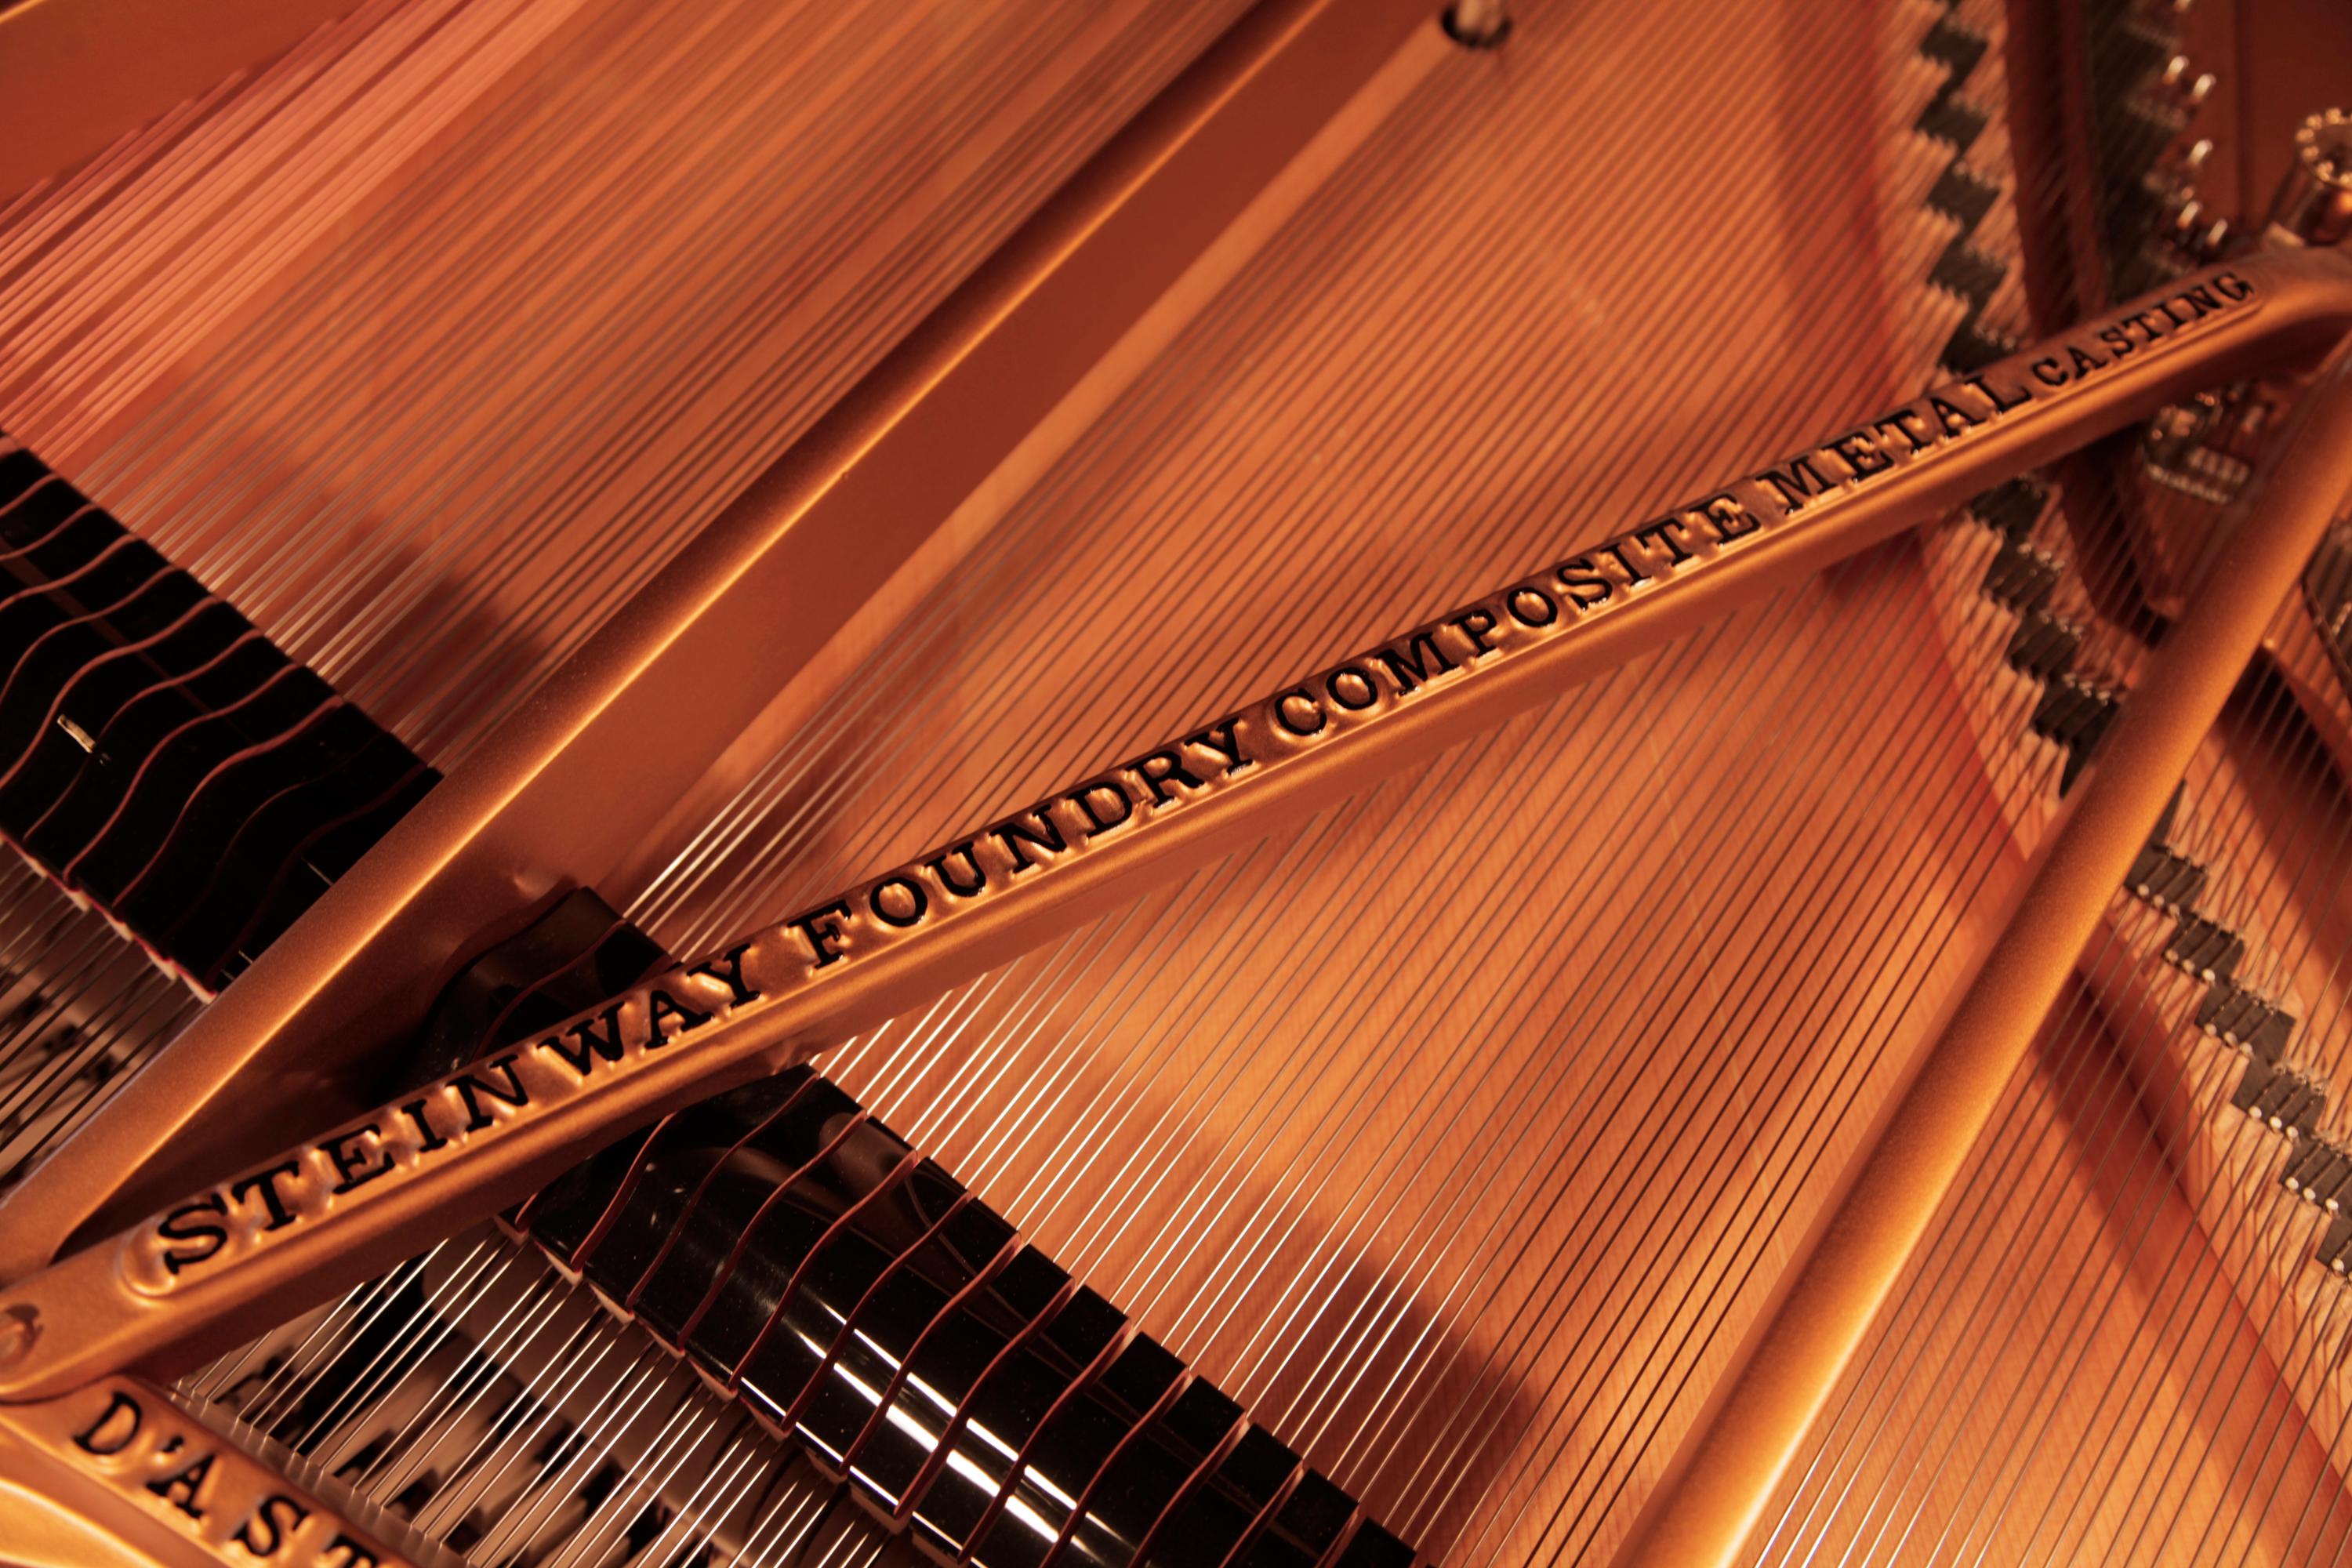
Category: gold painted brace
<point>1726,1471</point>
<point>300,1229</point>
<point>572,783</point>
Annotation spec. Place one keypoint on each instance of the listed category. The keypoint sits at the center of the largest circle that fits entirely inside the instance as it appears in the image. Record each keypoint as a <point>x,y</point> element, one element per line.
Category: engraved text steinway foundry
<point>206,1233</point>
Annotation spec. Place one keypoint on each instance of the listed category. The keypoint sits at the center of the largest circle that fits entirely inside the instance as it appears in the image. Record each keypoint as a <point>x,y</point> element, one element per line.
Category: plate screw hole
<point>1478,23</point>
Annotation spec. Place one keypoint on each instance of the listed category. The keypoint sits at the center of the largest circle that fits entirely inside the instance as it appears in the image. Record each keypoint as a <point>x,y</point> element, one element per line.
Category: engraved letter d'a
<point>101,1439</point>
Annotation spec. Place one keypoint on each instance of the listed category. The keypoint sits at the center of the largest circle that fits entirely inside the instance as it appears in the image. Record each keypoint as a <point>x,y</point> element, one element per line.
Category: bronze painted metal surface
<point>76,87</point>
<point>127,1449</point>
<point>1445,1053</point>
<point>325,1215</point>
<point>572,782</point>
<point>1705,1515</point>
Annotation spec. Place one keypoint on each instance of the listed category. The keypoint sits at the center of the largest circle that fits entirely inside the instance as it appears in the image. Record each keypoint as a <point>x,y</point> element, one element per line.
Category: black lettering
<point>2201,300</point>
<point>821,929</point>
<point>908,909</point>
<point>278,1517</point>
<point>2049,372</point>
<point>1901,421</point>
<point>1359,694</point>
<point>1156,779</point>
<point>350,1153</point>
<point>1473,625</point>
<point>428,1140</point>
<point>1531,608</point>
<point>1956,420</point>
<point>1635,575</point>
<point>2083,360</point>
<point>265,1184</point>
<point>182,1490</point>
<point>1801,481</point>
<point>598,1037</point>
<point>2002,406</point>
<point>2118,339</point>
<point>1586,588</point>
<point>471,1089</point>
<point>1020,835</point>
<point>1660,535</point>
<point>187,1223</point>
<point>1854,448</point>
<point>2145,324</point>
<point>1083,797</point>
<point>979,875</point>
<point>1222,739</point>
<point>1731,520</point>
<point>660,1008</point>
<point>1408,665</point>
<point>738,993</point>
<point>2231,287</point>
<point>1286,716</point>
<point>102,1441</point>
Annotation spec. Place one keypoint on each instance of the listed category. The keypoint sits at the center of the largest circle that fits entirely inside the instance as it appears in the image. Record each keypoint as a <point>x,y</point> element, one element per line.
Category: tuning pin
<point>2315,201</point>
<point>2195,232</point>
<point>1478,23</point>
<point>2184,84</point>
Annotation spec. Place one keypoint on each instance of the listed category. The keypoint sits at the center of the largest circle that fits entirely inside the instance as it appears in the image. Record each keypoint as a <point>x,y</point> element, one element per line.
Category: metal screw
<point>20,1325</point>
<point>1478,23</point>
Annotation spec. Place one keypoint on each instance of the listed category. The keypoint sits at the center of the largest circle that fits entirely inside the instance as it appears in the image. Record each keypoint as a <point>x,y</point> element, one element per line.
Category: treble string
<point>2231,908</point>
<point>1340,1155</point>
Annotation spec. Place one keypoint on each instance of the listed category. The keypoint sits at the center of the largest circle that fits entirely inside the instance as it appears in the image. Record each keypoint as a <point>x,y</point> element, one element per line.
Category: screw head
<point>20,1325</point>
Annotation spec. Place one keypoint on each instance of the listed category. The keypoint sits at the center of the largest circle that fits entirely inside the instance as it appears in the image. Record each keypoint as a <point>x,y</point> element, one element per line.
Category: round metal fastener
<point>20,1325</point>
